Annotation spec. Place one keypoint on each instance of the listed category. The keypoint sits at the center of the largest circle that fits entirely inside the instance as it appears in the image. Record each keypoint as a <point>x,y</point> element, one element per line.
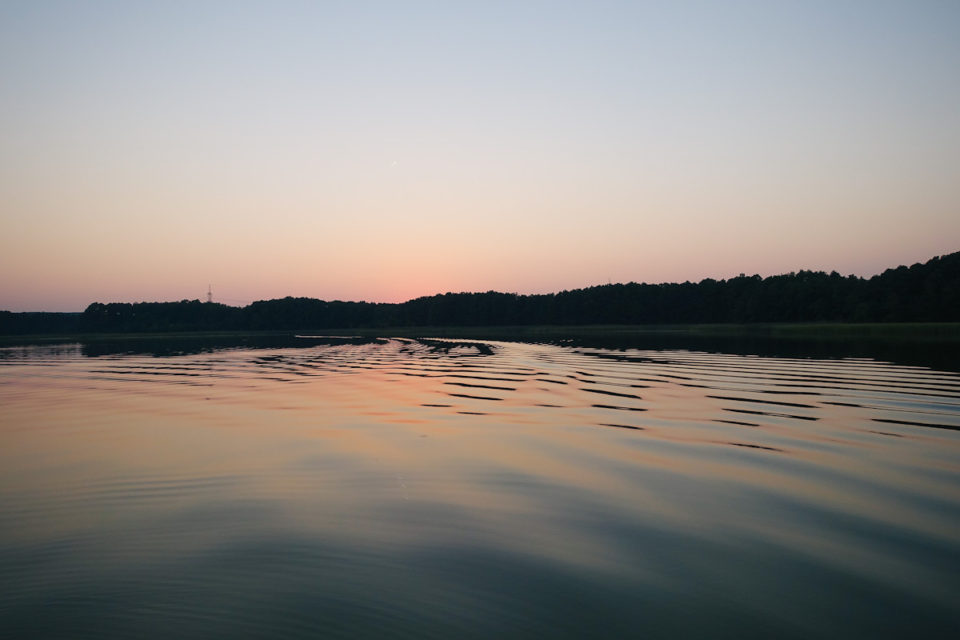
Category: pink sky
<point>383,155</point>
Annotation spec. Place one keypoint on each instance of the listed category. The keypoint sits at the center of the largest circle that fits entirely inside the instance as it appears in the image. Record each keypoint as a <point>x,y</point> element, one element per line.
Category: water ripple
<point>435,488</point>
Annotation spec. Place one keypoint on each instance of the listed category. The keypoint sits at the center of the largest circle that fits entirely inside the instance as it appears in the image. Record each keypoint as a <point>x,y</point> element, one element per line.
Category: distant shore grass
<point>925,332</point>
<point>914,331</point>
<point>54,338</point>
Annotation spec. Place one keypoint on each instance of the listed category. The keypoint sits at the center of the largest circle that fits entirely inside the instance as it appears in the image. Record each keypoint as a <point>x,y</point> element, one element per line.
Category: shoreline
<point>919,332</point>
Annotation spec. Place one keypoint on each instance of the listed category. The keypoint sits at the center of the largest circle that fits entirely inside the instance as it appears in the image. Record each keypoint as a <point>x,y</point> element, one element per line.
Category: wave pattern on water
<point>434,488</point>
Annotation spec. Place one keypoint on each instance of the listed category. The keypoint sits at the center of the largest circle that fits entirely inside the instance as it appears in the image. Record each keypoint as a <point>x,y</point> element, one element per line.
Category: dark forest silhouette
<point>928,292</point>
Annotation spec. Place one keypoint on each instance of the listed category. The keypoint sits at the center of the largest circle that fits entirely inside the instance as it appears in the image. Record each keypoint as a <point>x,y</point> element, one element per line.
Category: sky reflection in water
<point>410,489</point>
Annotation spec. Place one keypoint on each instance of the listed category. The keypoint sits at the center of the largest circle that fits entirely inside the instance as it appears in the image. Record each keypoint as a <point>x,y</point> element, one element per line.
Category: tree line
<point>927,292</point>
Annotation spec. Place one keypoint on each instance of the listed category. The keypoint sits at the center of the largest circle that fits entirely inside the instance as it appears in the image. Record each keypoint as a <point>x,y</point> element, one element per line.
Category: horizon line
<point>513,293</point>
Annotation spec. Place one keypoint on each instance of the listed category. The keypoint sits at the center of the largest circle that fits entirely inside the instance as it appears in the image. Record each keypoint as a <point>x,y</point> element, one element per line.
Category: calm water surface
<point>398,488</point>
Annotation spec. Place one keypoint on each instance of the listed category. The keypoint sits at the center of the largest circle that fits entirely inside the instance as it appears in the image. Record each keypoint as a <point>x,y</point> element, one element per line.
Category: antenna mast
<point>209,293</point>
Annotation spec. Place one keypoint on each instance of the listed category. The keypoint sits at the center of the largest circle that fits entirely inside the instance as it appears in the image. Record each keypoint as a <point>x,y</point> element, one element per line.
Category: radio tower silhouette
<point>209,294</point>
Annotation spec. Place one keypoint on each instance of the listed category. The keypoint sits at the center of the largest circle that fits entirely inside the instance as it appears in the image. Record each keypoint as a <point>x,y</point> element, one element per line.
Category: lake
<point>351,487</point>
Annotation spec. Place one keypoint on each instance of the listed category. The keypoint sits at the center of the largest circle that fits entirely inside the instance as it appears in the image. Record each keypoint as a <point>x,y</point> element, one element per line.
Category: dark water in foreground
<point>405,489</point>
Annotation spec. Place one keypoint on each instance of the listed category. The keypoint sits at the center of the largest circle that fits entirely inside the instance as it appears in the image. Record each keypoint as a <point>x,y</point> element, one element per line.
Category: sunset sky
<point>386,150</point>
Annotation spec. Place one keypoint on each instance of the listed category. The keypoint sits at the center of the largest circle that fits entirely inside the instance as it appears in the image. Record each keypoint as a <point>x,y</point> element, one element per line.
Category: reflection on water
<point>401,488</point>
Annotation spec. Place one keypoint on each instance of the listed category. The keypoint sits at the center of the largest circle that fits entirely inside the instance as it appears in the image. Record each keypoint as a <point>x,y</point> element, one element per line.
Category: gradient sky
<point>387,150</point>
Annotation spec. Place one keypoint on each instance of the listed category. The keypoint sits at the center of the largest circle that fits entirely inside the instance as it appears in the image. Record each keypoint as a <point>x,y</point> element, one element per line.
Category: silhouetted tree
<point>922,292</point>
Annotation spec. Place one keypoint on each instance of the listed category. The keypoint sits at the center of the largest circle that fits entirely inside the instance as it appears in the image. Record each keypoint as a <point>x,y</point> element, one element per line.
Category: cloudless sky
<point>387,150</point>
